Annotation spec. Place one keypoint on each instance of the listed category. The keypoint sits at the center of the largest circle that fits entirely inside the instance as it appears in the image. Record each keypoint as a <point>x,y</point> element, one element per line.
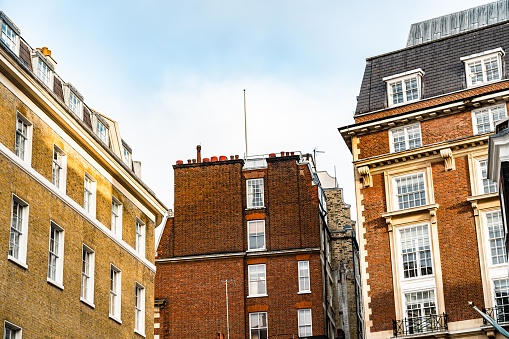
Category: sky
<point>172,72</point>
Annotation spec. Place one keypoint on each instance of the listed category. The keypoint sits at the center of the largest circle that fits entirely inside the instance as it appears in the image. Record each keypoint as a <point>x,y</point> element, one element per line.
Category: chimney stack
<point>198,153</point>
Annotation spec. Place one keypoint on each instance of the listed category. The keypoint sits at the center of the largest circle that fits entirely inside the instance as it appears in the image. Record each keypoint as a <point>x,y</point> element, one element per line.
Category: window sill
<point>483,196</point>
<point>257,296</point>
<point>87,302</point>
<point>55,283</point>
<point>18,262</point>
<point>255,208</point>
<point>112,317</point>
<point>140,333</point>
<point>256,250</point>
<point>403,103</point>
<point>390,216</point>
<point>304,292</point>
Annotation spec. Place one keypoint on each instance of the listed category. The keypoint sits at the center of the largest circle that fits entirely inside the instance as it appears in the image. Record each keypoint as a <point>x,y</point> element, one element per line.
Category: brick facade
<point>51,308</point>
<point>206,243</point>
<point>455,208</point>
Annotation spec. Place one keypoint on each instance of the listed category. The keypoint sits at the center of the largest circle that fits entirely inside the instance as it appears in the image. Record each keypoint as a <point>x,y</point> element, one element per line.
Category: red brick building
<point>430,229</point>
<point>253,231</point>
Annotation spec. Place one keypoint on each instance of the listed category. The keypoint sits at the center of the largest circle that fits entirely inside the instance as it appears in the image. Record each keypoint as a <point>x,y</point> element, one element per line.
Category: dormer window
<point>10,34</point>
<point>404,87</point>
<point>43,72</point>
<point>482,68</point>
<point>102,131</point>
<point>74,100</point>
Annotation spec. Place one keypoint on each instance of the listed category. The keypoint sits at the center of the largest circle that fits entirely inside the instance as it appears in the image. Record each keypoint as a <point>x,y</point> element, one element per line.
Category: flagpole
<point>245,120</point>
<point>490,320</point>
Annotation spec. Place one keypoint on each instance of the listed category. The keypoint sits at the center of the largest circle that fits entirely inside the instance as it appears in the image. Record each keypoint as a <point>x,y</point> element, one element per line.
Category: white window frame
<point>141,237</point>
<point>304,276</point>
<point>23,136</point>
<point>418,258</point>
<point>305,320</point>
<point>255,188</point>
<point>395,180</point>
<point>16,330</point>
<point>87,275</point>
<point>405,305</point>
<point>257,274</point>
<point>75,104</point>
<point>490,187</point>
<point>491,111</point>
<point>44,71</point>
<point>260,316</point>
<point>9,34</point>
<point>501,317</point>
<point>19,228</point>
<point>139,309</point>
<point>127,157</point>
<point>115,293</point>
<point>254,233</point>
<point>102,131</point>
<point>59,168</point>
<point>500,259</point>
<point>491,55</point>
<point>116,217</point>
<point>403,79</point>
<point>89,194</point>
<point>393,133</point>
<point>56,255</point>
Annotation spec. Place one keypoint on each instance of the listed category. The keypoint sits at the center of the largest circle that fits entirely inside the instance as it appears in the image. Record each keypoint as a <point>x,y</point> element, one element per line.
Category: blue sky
<point>172,73</point>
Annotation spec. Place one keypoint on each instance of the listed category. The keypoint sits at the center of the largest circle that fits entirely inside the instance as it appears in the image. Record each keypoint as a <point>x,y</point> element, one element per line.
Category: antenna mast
<point>245,120</point>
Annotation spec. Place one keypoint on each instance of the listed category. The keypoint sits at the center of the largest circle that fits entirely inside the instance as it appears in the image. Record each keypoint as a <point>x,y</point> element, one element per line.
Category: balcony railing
<point>426,324</point>
<point>499,313</point>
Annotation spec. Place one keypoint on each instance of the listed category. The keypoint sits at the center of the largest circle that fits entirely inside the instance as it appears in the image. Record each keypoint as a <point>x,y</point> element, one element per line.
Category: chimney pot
<point>188,161</point>
<point>179,162</point>
<point>198,153</point>
<point>272,155</point>
<point>292,153</point>
<point>213,158</point>
<point>232,157</point>
<point>206,160</point>
<point>223,158</point>
<point>282,154</point>
<point>236,157</point>
<point>45,51</point>
<point>194,161</point>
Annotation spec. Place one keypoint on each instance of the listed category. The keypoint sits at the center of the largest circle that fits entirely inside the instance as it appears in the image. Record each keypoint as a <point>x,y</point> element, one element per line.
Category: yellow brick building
<point>76,221</point>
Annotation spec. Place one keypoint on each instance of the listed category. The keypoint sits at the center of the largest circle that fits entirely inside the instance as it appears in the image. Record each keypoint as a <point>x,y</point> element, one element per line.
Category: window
<point>11,331</point>
<point>406,137</point>
<point>416,251</point>
<point>256,234</point>
<point>139,309</point>
<point>116,217</point>
<point>126,156</point>
<point>410,191</point>
<point>115,295</point>
<point>483,67</point>
<point>140,237</point>
<point>496,237</point>
<point>419,307</point>
<point>258,325</point>
<point>87,274</point>
<point>501,287</point>
<point>304,279</point>
<point>305,323</point>
<point>257,282</point>
<point>58,168</point>
<point>75,104</point>
<point>404,87</point>
<point>255,193</point>
<point>22,145</point>
<point>487,185</point>
<point>9,37</point>
<point>19,231</point>
<point>43,72</point>
<point>484,119</point>
<point>56,254</point>
<point>89,195</point>
<point>102,131</point>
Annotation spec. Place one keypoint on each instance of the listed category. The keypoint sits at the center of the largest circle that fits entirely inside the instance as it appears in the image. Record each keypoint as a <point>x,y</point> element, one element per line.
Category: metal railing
<point>426,324</point>
<point>499,313</point>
